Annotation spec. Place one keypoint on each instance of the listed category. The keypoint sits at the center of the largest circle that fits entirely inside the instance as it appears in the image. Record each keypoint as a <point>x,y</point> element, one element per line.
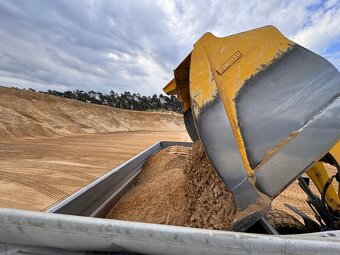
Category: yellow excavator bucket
<point>265,109</point>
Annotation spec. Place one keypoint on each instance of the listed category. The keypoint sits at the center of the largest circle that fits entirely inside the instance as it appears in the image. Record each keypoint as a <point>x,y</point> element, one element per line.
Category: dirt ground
<point>294,196</point>
<point>36,173</point>
<point>51,147</point>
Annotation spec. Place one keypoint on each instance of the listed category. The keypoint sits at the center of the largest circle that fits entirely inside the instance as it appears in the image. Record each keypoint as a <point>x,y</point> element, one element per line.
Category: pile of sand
<point>159,193</point>
<point>178,189</point>
<point>209,203</point>
<point>30,114</point>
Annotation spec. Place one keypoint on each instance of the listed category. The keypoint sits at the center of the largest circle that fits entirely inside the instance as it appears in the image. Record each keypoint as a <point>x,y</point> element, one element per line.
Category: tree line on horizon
<point>125,100</point>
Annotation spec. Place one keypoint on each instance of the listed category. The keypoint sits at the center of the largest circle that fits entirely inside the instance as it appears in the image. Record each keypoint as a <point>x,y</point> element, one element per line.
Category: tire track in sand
<point>33,183</point>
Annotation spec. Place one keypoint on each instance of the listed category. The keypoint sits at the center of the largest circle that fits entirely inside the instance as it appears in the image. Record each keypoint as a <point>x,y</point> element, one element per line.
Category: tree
<point>124,100</point>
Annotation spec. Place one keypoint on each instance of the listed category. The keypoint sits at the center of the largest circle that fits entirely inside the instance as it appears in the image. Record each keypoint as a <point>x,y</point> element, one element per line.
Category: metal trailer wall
<point>65,232</point>
<point>97,198</point>
<point>80,233</point>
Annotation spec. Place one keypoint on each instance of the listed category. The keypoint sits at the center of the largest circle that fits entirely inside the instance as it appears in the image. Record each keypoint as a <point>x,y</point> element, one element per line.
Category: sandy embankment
<point>26,114</point>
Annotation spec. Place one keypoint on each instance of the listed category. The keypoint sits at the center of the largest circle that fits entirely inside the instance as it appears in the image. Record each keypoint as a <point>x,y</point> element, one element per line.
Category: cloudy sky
<point>134,45</point>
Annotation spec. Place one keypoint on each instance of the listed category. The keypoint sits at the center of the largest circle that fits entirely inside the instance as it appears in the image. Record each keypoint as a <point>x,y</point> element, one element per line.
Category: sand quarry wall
<point>30,114</point>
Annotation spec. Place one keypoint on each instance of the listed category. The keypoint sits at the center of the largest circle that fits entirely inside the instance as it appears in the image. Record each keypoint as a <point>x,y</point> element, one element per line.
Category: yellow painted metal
<point>182,93</point>
<point>319,176</point>
<point>170,88</point>
<point>335,151</point>
<point>180,84</point>
<point>222,65</point>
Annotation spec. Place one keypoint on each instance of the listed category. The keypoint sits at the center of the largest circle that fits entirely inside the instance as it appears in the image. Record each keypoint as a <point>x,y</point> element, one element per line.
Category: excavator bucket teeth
<point>265,109</point>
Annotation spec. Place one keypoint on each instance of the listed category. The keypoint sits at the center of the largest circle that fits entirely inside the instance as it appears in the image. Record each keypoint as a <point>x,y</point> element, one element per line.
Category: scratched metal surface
<point>284,97</point>
<point>77,233</point>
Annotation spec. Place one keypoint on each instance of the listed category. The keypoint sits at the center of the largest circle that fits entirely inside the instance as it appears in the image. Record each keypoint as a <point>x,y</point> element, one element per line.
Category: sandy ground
<point>36,173</point>
<point>51,147</point>
<point>296,197</point>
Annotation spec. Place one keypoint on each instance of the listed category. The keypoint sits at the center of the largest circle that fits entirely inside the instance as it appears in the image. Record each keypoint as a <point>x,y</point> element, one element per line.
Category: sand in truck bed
<point>178,186</point>
<point>158,195</point>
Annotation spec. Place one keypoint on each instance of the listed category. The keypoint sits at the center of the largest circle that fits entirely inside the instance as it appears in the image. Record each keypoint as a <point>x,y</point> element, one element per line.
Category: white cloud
<point>322,30</point>
<point>104,45</point>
